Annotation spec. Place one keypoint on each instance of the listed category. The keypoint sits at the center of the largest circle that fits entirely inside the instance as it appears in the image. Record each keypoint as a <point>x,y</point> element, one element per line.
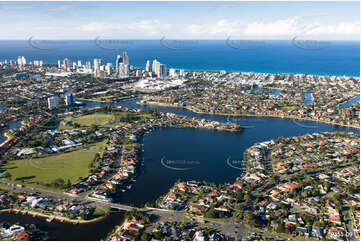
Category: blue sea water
<point>336,58</point>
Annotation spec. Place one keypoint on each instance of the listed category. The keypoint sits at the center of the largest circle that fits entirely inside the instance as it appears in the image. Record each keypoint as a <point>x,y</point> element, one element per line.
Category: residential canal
<point>204,152</point>
<point>65,231</point>
<point>351,101</point>
<point>12,124</point>
<point>308,98</point>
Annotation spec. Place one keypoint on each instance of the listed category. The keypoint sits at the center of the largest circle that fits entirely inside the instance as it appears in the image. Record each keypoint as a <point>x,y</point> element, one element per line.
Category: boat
<point>130,186</point>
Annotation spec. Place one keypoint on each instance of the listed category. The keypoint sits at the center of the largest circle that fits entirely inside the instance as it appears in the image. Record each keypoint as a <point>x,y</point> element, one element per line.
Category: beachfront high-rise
<point>155,66</point>
<point>162,71</point>
<point>66,64</point>
<point>21,61</point>
<point>147,66</point>
<point>123,70</point>
<point>125,58</point>
<point>117,62</point>
<point>97,63</point>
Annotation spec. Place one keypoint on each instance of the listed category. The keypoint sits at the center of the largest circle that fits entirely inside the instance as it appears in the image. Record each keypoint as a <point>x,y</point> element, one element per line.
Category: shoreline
<point>7,136</point>
<point>93,100</point>
<point>59,218</point>
<point>246,115</point>
<point>240,71</point>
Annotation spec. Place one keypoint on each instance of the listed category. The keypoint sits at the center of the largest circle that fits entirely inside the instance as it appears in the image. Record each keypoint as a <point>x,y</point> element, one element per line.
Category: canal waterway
<point>203,152</point>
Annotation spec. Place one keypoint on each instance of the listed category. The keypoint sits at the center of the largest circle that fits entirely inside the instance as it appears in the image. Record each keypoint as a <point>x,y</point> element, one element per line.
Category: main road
<point>67,196</point>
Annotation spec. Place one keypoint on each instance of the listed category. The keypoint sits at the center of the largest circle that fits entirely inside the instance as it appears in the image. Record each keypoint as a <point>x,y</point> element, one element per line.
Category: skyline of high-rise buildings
<point>100,69</point>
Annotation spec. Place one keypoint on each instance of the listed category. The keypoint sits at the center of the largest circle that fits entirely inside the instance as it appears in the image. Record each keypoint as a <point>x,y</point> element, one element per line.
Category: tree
<point>247,198</point>
<point>58,183</point>
<point>280,229</point>
<point>145,237</point>
<point>7,175</point>
<point>210,213</point>
<point>249,218</point>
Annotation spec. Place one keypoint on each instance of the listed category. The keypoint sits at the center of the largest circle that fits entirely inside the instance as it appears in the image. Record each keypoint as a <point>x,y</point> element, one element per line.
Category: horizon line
<point>185,39</point>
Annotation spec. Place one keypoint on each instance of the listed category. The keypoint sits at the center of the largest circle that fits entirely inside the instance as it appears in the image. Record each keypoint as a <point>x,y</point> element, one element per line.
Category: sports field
<point>40,171</point>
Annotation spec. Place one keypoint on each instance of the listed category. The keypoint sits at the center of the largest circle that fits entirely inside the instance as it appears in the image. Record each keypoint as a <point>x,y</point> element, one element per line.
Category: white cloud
<point>147,27</point>
<point>225,27</point>
<point>221,28</point>
<point>279,27</point>
<point>282,27</point>
<point>337,29</point>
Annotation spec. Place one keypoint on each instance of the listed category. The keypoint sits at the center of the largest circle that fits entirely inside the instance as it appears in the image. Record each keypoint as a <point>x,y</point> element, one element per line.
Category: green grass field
<point>64,126</point>
<point>37,172</point>
<point>102,119</point>
<point>96,118</point>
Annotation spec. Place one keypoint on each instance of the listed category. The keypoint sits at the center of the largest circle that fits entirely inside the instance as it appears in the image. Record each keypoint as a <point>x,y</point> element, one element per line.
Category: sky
<point>180,20</point>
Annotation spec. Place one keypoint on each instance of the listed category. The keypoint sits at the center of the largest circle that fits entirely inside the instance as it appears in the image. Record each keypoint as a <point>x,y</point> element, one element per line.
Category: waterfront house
<point>14,229</point>
<point>317,232</point>
<point>301,230</point>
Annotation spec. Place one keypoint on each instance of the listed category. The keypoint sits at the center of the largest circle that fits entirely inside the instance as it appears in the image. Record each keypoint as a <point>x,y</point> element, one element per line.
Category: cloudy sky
<point>180,20</point>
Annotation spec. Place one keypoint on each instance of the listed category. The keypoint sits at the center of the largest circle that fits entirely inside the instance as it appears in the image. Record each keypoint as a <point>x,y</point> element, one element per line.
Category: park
<point>53,171</point>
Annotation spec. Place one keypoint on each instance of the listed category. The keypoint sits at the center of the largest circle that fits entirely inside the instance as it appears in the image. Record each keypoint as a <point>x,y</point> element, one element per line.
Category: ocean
<point>324,58</point>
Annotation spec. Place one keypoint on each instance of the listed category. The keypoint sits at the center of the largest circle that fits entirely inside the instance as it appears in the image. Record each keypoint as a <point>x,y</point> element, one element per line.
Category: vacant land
<point>70,166</point>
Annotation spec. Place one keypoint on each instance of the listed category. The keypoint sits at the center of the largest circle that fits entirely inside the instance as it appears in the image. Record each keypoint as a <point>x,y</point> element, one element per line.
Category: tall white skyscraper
<point>172,72</point>
<point>108,68</point>
<point>147,66</point>
<point>21,61</point>
<point>117,62</point>
<point>162,71</point>
<point>126,58</point>
<point>79,63</point>
<point>88,65</point>
<point>123,70</point>
<point>159,69</point>
<point>53,102</point>
<point>97,63</point>
<point>66,64</point>
<point>155,66</point>
<point>59,64</point>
